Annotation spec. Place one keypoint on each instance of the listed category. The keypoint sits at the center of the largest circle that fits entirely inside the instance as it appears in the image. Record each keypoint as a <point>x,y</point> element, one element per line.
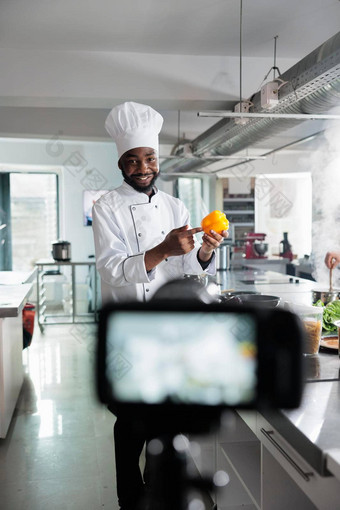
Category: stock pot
<point>61,251</point>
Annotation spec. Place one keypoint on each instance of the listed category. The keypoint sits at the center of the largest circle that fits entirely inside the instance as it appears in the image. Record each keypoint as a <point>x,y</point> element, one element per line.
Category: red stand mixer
<point>255,246</point>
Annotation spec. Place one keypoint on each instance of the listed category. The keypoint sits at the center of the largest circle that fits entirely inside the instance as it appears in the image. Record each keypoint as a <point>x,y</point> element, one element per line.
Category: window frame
<point>6,258</point>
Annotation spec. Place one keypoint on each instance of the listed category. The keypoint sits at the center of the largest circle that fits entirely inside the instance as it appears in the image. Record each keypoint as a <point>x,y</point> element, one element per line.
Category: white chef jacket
<point>126,224</point>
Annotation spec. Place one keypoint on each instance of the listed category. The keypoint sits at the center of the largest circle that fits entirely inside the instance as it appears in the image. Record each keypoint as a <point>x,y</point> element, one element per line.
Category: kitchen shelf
<point>245,459</point>
<point>54,316</point>
<point>240,212</point>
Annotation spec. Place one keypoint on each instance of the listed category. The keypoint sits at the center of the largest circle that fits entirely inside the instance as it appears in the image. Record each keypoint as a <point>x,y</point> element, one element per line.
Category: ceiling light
<point>212,158</point>
<point>288,116</point>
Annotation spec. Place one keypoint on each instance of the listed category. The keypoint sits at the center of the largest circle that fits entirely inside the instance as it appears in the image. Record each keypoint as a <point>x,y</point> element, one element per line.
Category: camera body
<point>175,366</point>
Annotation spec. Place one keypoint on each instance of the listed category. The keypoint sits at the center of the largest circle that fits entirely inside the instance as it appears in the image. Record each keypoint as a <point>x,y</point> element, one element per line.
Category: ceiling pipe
<point>168,177</point>
<point>311,86</point>
<point>272,151</point>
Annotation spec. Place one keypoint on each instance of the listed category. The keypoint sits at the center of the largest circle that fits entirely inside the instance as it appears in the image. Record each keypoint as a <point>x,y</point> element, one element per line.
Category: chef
<point>142,235</point>
<point>143,239</point>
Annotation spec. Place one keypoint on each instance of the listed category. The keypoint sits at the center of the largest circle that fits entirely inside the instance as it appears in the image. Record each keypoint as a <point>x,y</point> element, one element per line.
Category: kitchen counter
<point>12,299</point>
<point>15,287</point>
<point>313,429</point>
<point>288,288</point>
<point>272,263</point>
<point>17,277</point>
<point>281,458</point>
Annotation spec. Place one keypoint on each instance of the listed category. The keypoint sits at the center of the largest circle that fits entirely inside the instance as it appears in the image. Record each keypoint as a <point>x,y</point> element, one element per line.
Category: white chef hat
<point>134,125</point>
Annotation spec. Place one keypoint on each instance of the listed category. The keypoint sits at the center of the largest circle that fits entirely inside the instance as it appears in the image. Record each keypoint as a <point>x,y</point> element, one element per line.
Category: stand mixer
<point>255,246</point>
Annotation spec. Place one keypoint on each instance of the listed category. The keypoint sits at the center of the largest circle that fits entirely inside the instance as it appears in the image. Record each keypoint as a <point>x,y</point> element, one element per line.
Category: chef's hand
<point>332,259</point>
<point>177,242</point>
<point>180,240</point>
<point>210,243</point>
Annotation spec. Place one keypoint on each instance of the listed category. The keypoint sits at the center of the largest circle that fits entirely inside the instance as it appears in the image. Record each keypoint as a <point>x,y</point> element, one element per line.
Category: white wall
<point>283,203</point>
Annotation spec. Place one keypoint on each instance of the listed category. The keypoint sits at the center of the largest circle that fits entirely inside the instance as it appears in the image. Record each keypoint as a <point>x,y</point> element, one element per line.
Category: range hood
<point>312,86</point>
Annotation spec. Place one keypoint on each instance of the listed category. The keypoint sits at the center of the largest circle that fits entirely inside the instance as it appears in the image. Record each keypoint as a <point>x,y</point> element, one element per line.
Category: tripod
<point>168,478</point>
<point>171,480</point>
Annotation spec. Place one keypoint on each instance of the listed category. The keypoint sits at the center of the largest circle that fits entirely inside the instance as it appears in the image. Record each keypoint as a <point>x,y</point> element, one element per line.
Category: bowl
<point>325,296</point>
<point>261,248</point>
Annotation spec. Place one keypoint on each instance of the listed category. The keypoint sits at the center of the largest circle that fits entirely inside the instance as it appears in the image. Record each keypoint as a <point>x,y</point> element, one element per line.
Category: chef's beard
<point>135,186</point>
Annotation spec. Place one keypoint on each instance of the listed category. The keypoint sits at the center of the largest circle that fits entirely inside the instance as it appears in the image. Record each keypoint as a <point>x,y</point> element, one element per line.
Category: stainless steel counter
<point>314,428</point>
<point>288,288</point>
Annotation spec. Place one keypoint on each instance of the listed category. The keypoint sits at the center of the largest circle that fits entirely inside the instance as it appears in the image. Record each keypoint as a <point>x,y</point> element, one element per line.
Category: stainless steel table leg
<point>38,300</point>
<point>73,293</point>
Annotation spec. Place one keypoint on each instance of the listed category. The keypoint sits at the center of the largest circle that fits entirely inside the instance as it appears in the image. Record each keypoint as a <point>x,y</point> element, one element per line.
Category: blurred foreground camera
<point>180,364</point>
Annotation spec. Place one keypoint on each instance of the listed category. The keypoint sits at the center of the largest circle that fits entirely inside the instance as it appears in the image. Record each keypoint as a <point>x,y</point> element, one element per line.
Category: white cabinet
<point>280,491</point>
<point>11,368</point>
<point>288,479</point>
<point>265,472</point>
<point>235,449</point>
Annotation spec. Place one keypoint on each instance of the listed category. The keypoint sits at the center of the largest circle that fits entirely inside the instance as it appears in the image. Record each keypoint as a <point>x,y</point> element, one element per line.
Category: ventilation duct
<point>312,86</point>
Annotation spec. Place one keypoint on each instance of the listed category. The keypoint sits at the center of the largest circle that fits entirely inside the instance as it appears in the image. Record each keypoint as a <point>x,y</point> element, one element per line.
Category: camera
<point>174,366</point>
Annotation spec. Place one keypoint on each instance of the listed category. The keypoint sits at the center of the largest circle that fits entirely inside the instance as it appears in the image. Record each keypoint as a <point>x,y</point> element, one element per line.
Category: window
<point>34,217</point>
<point>189,190</point>
<point>5,231</point>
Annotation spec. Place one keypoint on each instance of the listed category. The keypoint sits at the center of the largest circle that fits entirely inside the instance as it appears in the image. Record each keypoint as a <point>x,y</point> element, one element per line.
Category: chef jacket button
<point>133,208</point>
<point>146,290</point>
<point>139,235</point>
<point>163,232</point>
<point>166,260</point>
<point>156,206</point>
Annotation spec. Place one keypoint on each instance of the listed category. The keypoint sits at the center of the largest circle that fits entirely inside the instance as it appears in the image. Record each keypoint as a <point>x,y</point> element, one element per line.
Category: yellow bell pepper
<point>216,220</point>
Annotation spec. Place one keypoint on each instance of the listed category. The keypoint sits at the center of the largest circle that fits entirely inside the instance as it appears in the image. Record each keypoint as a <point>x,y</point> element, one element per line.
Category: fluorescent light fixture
<point>211,158</point>
<point>2,226</point>
<point>288,116</point>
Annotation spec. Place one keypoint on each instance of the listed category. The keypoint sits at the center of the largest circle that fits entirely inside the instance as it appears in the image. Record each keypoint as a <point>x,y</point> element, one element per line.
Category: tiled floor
<point>58,454</point>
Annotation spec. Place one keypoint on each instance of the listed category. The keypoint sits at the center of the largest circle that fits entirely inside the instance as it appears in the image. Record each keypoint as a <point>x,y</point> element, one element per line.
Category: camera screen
<point>156,357</point>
